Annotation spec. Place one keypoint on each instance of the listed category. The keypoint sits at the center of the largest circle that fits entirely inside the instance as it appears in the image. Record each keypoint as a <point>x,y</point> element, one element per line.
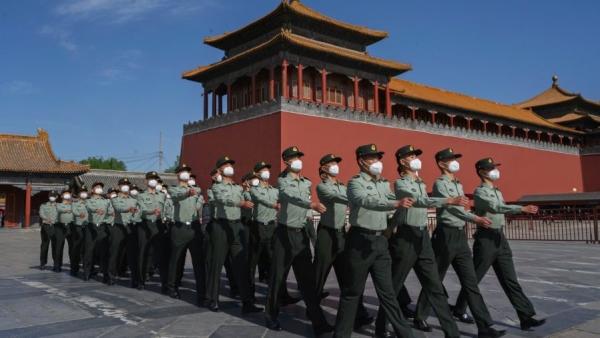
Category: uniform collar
<point>448,179</point>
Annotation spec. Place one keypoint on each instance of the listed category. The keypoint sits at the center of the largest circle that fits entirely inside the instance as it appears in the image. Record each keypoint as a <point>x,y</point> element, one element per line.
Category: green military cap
<point>97,184</point>
<point>134,187</point>
<point>183,167</point>
<point>486,164</point>
<point>368,149</point>
<point>111,190</point>
<point>407,150</point>
<point>192,176</point>
<point>446,154</point>
<point>224,160</point>
<point>151,175</point>
<point>213,172</point>
<point>159,181</point>
<point>248,176</point>
<point>83,188</point>
<point>261,165</point>
<point>329,158</point>
<point>291,152</point>
<point>54,193</point>
<point>124,181</point>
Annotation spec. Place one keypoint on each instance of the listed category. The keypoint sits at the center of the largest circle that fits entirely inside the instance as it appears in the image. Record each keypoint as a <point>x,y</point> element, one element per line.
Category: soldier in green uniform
<point>48,216</point>
<point>76,240</point>
<point>451,247</point>
<point>64,211</point>
<point>491,249</point>
<point>410,245</point>
<point>124,206</point>
<point>150,203</point>
<point>198,245</point>
<point>161,257</point>
<point>266,205</point>
<point>291,244</point>
<point>331,233</point>
<point>185,201</point>
<point>366,248</point>
<point>96,234</point>
<point>227,238</point>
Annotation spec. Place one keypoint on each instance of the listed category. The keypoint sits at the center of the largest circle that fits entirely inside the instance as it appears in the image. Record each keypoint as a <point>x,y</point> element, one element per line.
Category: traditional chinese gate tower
<point>298,77</point>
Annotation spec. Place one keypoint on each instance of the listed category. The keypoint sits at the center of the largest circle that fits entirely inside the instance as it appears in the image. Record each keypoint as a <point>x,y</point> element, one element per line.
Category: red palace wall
<point>524,170</point>
<point>591,172</point>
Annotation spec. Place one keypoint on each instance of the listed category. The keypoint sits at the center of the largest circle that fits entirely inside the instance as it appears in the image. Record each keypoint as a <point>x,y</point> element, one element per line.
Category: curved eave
<point>464,102</point>
<point>302,42</point>
<point>225,40</point>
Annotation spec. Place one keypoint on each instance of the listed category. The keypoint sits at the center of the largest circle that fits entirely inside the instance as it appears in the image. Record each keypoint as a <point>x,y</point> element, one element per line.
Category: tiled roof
<point>110,178</point>
<point>296,7</point>
<point>574,117</point>
<point>552,95</point>
<point>297,40</point>
<point>33,154</point>
<point>442,97</point>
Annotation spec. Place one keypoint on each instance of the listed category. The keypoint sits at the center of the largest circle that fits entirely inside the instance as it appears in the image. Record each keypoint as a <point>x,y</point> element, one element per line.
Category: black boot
<point>249,307</point>
<point>422,325</point>
<point>530,322</point>
<point>491,333</point>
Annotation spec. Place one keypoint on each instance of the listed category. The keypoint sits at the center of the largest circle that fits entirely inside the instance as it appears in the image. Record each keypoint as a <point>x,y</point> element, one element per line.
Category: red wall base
<point>524,170</point>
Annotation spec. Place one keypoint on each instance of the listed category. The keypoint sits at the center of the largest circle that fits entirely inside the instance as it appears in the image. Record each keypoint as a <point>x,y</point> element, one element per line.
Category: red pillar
<point>284,81</point>
<point>539,135</point>
<point>499,128</point>
<point>272,83</point>
<point>323,86</point>
<point>432,112</point>
<point>514,130</point>
<point>388,101</point>
<point>376,96</point>
<point>451,116</point>
<point>484,125</point>
<point>27,205</point>
<point>526,130</point>
<point>468,122</point>
<point>413,112</point>
<point>560,137</point>
<point>205,104</point>
<point>571,140</point>
<point>355,92</point>
<point>214,103</point>
<point>253,89</point>
<point>300,82</point>
<point>229,98</point>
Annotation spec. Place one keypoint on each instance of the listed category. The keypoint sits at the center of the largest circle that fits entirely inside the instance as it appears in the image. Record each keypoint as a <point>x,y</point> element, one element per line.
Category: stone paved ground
<point>562,280</point>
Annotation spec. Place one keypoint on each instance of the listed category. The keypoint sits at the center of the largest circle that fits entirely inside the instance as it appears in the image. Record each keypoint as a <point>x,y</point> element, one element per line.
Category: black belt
<point>228,220</point>
<point>367,231</point>
<point>451,227</point>
<point>420,228</point>
<point>291,229</point>
<point>340,230</point>
<point>265,224</point>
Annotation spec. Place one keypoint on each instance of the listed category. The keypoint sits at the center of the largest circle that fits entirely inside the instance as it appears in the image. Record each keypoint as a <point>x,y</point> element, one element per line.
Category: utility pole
<point>160,153</point>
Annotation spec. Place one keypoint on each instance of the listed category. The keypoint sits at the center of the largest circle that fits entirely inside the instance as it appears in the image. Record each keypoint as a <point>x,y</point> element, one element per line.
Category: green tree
<point>110,163</point>
<point>172,168</point>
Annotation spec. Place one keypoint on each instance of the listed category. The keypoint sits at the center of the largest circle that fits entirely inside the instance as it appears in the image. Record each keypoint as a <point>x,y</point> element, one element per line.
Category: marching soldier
<point>199,244</point>
<point>48,215</point>
<point>62,228</point>
<point>265,199</point>
<point>227,238</point>
<point>410,245</point>
<point>331,234</point>
<point>366,247</point>
<point>291,244</point>
<point>185,199</point>
<point>132,251</point>
<point>491,247</point>
<point>451,247</point>
<point>96,234</point>
<point>124,206</point>
<point>77,230</point>
<point>164,231</point>
<point>151,203</point>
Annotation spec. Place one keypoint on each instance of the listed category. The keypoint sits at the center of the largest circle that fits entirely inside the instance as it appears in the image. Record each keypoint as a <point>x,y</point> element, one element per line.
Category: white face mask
<point>98,191</point>
<point>184,176</point>
<point>453,166</point>
<point>219,178</point>
<point>265,175</point>
<point>152,183</point>
<point>255,182</point>
<point>83,195</point>
<point>192,182</point>
<point>334,170</point>
<point>66,197</point>
<point>134,192</point>
<point>228,171</point>
<point>296,165</point>
<point>52,198</point>
<point>124,188</point>
<point>376,168</point>
<point>415,164</point>
<point>159,187</point>
<point>113,195</point>
<point>494,174</point>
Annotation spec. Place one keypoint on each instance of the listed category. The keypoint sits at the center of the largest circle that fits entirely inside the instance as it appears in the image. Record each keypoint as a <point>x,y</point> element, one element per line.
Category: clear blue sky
<point>103,76</point>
